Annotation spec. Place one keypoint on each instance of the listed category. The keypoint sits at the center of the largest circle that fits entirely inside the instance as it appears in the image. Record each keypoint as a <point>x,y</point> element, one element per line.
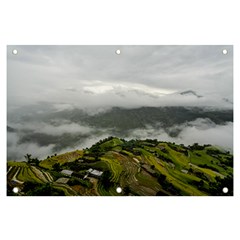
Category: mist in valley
<point>45,138</point>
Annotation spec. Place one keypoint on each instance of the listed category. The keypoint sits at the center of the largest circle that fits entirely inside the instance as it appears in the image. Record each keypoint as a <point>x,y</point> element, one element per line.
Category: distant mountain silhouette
<point>191,92</point>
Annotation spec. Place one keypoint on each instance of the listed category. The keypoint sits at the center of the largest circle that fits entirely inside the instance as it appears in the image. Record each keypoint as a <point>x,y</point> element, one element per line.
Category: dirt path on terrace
<point>48,176</point>
<point>39,174</point>
<point>95,184</point>
<point>9,169</point>
<point>15,176</point>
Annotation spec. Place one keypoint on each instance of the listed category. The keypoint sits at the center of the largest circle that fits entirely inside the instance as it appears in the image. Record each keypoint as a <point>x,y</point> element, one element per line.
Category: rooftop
<point>95,172</point>
<point>67,172</point>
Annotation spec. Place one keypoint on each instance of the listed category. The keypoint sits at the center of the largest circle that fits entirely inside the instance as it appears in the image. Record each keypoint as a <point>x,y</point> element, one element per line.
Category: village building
<point>94,172</point>
<point>67,172</point>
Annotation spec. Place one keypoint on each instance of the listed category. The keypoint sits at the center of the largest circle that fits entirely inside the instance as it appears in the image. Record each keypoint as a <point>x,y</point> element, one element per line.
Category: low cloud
<point>16,151</point>
<point>55,130</point>
<point>202,131</point>
<point>220,135</point>
<point>72,128</point>
<point>28,138</point>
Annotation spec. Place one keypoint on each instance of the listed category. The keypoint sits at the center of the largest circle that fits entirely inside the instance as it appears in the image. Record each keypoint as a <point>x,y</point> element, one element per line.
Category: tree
<point>152,167</point>
<point>201,183</point>
<point>37,189</point>
<point>105,179</point>
<point>160,193</point>
<point>190,170</point>
<point>126,190</point>
<point>161,178</point>
<point>28,157</point>
<point>31,160</point>
<point>56,167</point>
<point>216,188</point>
<point>35,161</point>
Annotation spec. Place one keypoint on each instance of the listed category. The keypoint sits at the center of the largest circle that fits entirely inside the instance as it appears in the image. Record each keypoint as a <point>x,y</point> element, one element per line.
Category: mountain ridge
<point>139,167</point>
<point>190,92</point>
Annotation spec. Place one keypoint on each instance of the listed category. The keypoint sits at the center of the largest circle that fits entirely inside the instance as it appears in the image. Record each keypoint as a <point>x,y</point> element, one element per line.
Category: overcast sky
<point>86,76</point>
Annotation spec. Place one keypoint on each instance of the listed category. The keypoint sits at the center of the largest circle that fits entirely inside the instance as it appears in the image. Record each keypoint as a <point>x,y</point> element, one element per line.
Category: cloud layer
<point>202,131</point>
<point>87,76</point>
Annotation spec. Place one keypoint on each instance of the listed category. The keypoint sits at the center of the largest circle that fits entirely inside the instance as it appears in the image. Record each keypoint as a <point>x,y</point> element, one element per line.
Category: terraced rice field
<point>140,168</point>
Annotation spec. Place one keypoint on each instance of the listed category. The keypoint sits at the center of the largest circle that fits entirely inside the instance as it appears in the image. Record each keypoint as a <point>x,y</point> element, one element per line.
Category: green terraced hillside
<point>116,167</point>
